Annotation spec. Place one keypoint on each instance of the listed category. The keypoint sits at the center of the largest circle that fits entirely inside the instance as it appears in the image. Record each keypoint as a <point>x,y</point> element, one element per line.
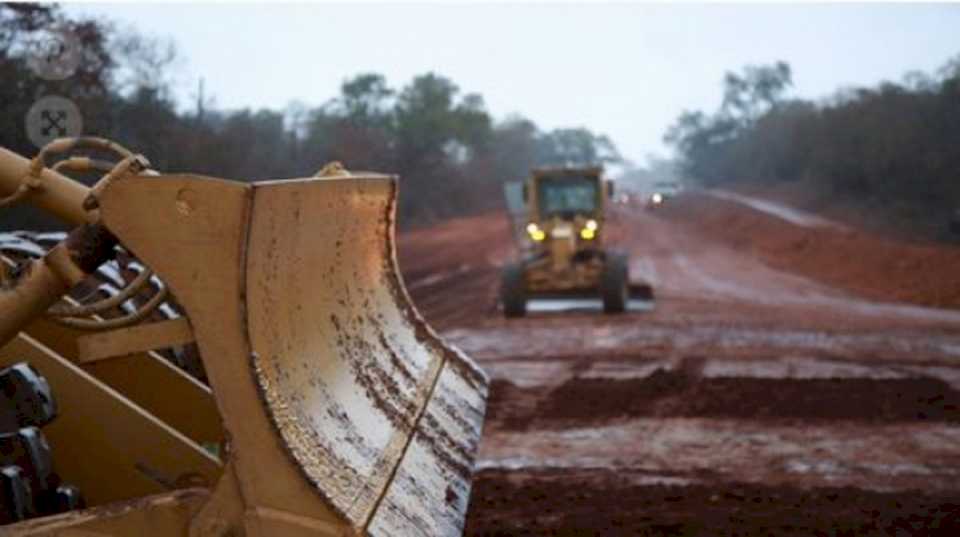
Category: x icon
<point>53,119</point>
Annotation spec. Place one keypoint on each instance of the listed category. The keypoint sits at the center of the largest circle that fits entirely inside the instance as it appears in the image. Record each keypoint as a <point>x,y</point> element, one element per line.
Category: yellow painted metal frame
<point>343,413</point>
<point>107,445</point>
<point>556,271</point>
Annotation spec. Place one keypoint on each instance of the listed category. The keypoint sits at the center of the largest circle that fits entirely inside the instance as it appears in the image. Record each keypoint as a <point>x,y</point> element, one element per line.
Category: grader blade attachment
<point>332,408</point>
<point>342,406</point>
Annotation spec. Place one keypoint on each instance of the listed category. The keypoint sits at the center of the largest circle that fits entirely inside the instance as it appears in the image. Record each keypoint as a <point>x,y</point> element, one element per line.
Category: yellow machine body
<point>567,256</point>
<point>565,250</point>
<point>332,407</point>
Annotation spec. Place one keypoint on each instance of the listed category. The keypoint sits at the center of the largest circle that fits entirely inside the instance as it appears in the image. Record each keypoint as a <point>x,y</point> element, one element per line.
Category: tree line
<point>452,155</point>
<point>893,149</point>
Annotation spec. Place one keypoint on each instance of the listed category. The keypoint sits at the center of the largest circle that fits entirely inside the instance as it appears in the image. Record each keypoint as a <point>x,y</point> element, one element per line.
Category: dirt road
<point>750,400</point>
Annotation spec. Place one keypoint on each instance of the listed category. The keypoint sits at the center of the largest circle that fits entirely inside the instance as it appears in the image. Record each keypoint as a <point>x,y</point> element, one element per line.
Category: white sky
<point>623,70</point>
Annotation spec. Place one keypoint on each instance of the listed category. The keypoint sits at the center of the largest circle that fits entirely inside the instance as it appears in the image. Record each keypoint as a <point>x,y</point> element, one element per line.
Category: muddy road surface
<point>750,399</point>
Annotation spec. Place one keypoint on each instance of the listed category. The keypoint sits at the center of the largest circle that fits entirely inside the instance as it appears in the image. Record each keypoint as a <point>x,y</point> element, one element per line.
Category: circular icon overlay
<point>54,53</point>
<point>53,117</point>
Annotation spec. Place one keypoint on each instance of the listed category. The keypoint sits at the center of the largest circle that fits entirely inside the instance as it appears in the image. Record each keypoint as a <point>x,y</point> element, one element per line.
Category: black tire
<point>513,293</point>
<point>615,284</point>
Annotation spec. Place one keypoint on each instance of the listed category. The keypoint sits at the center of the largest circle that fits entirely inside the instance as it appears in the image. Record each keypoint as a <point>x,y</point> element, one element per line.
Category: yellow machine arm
<point>342,412</point>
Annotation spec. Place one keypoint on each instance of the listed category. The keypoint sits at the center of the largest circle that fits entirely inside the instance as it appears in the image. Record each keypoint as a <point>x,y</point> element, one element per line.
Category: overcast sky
<point>623,70</point>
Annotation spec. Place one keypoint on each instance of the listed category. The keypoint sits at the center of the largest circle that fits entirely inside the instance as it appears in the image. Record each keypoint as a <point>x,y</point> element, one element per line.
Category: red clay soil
<point>868,265</point>
<point>611,504</point>
<point>734,407</point>
<point>666,394</point>
<point>452,270</point>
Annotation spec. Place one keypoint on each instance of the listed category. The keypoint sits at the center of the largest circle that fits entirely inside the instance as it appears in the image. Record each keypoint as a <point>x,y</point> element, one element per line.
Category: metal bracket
<point>141,338</point>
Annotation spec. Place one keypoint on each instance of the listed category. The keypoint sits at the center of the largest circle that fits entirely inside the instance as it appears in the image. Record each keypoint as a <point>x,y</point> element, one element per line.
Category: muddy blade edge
<point>377,420</point>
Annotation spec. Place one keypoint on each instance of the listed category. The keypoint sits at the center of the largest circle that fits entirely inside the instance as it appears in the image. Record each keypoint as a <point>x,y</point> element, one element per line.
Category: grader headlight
<point>589,231</point>
<point>535,232</point>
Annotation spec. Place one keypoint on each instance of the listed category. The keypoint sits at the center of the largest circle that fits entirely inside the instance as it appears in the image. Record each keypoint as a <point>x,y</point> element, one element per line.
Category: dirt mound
<point>609,503</point>
<point>872,266</point>
<point>680,394</point>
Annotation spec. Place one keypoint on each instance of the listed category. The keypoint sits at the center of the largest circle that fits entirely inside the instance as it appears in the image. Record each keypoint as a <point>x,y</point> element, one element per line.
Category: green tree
<point>576,146</point>
<point>748,95</point>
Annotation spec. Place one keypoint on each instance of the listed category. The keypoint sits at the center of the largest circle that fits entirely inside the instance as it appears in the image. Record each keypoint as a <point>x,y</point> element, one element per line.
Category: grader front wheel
<point>513,291</point>
<point>614,287</point>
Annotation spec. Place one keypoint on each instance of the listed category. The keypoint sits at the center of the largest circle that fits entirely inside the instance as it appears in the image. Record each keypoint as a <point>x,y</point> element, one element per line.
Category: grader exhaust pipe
<point>342,412</point>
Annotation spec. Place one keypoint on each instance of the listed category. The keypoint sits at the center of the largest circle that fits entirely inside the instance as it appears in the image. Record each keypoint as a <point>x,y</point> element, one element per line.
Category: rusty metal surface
<point>345,365</point>
<point>337,397</point>
<point>431,490</point>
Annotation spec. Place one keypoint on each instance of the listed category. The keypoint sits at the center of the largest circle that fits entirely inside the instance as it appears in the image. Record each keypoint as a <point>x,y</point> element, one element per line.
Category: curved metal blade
<point>327,378</point>
<point>346,365</point>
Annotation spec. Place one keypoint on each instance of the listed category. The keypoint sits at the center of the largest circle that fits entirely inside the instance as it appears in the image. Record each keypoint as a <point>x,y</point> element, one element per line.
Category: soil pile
<point>866,264</point>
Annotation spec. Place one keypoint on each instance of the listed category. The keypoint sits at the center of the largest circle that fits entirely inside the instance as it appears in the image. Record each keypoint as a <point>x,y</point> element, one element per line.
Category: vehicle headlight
<point>657,198</point>
<point>535,232</point>
<point>589,230</point>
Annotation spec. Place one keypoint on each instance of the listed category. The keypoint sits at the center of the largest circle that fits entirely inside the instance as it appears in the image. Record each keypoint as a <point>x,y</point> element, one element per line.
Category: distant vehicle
<point>662,191</point>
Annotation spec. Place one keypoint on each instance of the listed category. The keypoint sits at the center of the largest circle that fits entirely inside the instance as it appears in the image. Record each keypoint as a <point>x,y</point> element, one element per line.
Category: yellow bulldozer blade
<point>340,403</point>
<point>343,413</point>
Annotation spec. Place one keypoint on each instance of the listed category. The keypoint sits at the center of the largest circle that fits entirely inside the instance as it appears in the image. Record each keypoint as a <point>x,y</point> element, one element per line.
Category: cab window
<point>567,196</point>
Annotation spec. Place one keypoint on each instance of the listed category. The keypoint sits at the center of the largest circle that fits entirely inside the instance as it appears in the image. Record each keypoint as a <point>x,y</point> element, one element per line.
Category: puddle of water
<point>814,467</point>
<point>526,340</point>
<point>797,368</point>
<point>585,434</point>
<point>623,370</point>
<point>637,475</point>
<point>547,463</point>
<point>828,468</point>
<point>525,374</point>
<point>896,456</point>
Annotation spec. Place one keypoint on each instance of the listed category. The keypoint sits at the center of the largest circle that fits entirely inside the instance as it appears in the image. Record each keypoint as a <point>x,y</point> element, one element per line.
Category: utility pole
<point>200,101</point>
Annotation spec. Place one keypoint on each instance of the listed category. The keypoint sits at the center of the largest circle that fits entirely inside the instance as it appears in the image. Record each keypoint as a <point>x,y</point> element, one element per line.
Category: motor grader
<point>565,250</point>
<point>320,403</point>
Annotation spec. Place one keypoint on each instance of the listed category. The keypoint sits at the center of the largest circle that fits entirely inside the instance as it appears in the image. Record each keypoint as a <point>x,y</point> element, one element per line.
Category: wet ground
<point>750,400</point>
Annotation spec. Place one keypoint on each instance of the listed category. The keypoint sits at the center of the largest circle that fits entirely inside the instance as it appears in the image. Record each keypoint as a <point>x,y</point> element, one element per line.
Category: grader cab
<point>567,251</point>
<point>213,358</point>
